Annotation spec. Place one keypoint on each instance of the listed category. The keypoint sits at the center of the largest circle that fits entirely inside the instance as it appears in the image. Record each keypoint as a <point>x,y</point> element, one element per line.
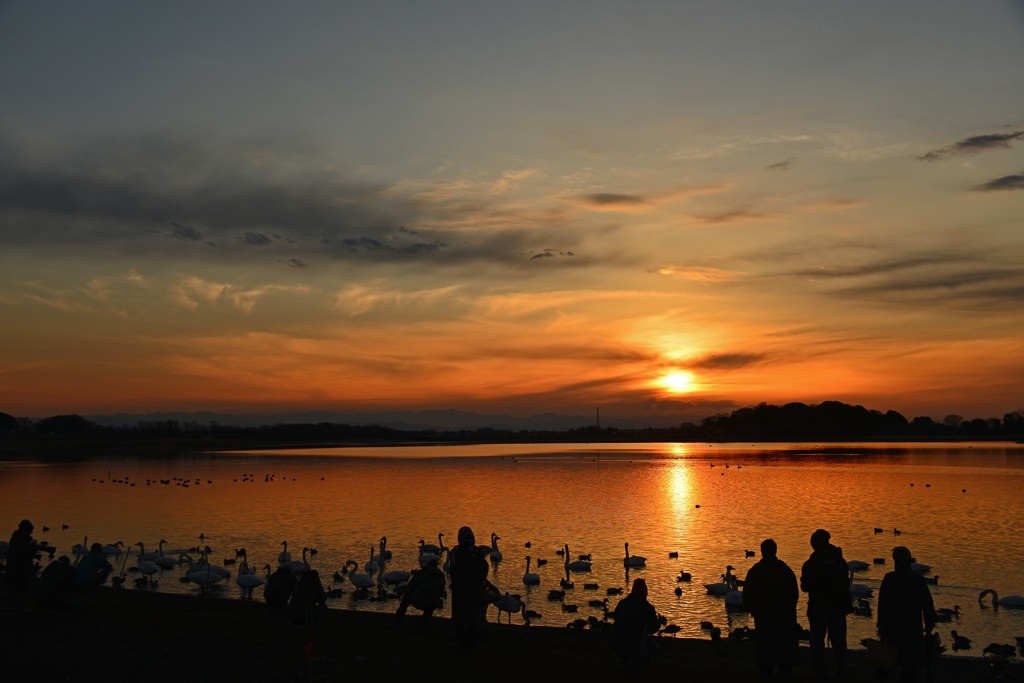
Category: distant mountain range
<point>441,420</point>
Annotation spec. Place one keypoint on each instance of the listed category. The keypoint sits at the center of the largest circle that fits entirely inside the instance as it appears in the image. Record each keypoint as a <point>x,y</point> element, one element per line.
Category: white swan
<point>284,556</point>
<point>113,549</point>
<point>298,566</point>
<point>633,560</point>
<point>857,565</point>
<point>430,548</point>
<point>164,561</point>
<point>373,564</point>
<point>204,562</point>
<point>1010,601</point>
<point>201,573</point>
<point>147,567</point>
<point>529,578</point>
<point>396,576</point>
<point>362,581</point>
<point>495,553</point>
<point>147,555</point>
<point>734,599</point>
<point>385,554</point>
<point>860,590</point>
<point>508,603</point>
<point>727,584</point>
<point>247,579</point>
<point>575,565</point>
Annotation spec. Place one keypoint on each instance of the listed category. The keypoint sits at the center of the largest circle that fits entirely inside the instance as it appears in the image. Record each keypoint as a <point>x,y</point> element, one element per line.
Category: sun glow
<point>678,382</point>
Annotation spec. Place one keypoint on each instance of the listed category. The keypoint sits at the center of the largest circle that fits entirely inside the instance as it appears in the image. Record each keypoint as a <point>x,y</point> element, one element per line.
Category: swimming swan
<point>529,578</point>
<point>575,565</point>
<point>634,560</point>
<point>1010,601</point>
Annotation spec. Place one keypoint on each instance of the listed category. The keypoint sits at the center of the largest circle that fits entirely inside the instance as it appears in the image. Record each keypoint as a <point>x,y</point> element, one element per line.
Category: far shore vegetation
<point>798,422</point>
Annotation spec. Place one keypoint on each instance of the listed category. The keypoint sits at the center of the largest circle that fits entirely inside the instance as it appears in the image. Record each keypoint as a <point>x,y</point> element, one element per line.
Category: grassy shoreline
<point>128,635</point>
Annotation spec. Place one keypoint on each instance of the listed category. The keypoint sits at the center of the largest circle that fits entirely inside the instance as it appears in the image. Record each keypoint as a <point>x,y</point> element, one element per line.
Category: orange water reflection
<point>595,498</point>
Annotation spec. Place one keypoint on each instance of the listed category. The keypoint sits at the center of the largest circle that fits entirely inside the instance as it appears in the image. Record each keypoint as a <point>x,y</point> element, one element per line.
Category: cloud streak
<point>1007,182</point>
<point>974,145</point>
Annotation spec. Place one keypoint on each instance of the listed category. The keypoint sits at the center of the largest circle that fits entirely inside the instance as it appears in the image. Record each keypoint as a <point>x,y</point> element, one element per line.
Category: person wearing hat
<point>635,620</point>
<point>770,594</point>
<point>825,577</point>
<point>906,614</point>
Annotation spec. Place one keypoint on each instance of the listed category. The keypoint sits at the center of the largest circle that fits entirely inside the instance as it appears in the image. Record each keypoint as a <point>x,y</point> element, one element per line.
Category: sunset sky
<point>665,209</point>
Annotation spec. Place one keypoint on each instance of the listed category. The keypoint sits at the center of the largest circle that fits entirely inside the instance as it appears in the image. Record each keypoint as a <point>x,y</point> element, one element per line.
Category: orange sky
<point>512,212</point>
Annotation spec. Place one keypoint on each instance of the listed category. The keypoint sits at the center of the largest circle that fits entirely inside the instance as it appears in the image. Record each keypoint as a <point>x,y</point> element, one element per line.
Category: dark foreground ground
<point>128,635</point>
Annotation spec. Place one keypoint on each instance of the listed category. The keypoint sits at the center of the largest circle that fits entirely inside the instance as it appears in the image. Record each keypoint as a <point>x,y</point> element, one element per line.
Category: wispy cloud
<point>1007,182</point>
<point>728,361</point>
<point>781,165</point>
<point>699,273</point>
<point>634,202</point>
<point>185,232</point>
<point>194,292</point>
<point>974,145</point>
<point>726,217</point>
<point>609,199</point>
<point>282,208</point>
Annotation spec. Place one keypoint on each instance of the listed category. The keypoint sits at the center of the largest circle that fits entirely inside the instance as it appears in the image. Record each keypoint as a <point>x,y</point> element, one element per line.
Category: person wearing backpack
<point>825,577</point>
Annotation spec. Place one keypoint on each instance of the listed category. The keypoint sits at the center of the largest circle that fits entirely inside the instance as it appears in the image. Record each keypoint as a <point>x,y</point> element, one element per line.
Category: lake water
<point>958,507</point>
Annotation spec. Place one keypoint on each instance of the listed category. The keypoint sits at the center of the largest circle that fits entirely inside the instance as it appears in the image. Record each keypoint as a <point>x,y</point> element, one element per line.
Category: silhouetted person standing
<point>906,614</point>
<point>635,620</point>
<point>770,594</point>
<point>22,552</point>
<point>468,572</point>
<point>308,601</point>
<point>825,578</point>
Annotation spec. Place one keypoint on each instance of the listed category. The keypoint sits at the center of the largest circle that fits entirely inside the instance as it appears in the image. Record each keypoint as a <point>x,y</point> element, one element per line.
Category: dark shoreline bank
<point>130,635</point>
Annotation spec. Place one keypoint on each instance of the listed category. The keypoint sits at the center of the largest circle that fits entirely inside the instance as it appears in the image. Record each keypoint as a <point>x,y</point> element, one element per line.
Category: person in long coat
<point>468,577</point>
<point>906,613</point>
<point>770,594</point>
<point>825,577</point>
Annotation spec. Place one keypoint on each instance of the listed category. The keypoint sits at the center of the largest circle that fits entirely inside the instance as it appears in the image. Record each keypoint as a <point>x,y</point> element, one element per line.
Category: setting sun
<point>678,382</point>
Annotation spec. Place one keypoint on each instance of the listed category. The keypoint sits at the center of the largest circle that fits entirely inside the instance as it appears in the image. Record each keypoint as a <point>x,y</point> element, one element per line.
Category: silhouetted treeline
<point>828,421</point>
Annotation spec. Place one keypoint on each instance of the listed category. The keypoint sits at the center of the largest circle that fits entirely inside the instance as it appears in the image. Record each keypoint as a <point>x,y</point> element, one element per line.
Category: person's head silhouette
<point>820,539</point>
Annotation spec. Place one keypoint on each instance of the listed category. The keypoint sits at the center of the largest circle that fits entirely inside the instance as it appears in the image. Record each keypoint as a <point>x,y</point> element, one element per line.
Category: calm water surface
<point>958,508</point>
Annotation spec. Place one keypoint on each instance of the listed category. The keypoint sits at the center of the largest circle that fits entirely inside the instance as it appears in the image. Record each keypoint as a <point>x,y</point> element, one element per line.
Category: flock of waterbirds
<point>372,580</point>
